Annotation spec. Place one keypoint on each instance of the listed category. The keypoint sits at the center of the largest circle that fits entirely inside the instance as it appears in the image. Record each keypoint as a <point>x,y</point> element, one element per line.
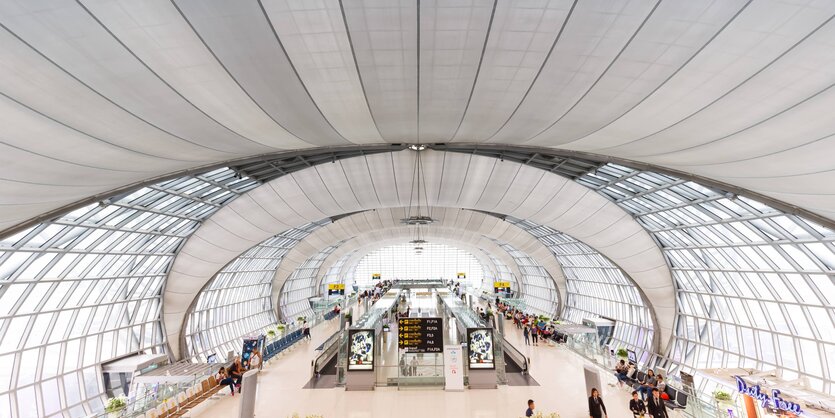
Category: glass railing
<point>160,396</point>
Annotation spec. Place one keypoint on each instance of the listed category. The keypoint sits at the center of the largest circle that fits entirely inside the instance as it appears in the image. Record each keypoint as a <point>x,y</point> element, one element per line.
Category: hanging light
<point>415,214</point>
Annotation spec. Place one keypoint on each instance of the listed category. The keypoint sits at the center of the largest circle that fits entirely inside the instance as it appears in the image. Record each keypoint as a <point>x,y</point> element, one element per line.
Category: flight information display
<point>421,335</point>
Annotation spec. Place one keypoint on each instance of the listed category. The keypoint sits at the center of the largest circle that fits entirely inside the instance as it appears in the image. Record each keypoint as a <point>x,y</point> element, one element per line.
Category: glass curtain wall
<point>332,275</point>
<point>85,288</point>
<point>597,288</point>
<point>236,302</point>
<point>294,300</point>
<point>538,289</point>
<point>436,262</point>
<point>501,274</point>
<point>755,285</point>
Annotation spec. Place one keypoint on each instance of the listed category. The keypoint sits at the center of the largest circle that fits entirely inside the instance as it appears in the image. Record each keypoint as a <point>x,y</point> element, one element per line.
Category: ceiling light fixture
<point>415,215</point>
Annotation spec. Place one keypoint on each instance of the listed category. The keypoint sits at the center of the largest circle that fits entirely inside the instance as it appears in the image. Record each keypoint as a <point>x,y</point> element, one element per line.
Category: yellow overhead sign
<point>502,284</point>
<point>336,286</point>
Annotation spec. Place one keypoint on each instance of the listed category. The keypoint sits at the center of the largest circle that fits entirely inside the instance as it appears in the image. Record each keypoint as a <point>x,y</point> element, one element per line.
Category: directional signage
<point>421,335</point>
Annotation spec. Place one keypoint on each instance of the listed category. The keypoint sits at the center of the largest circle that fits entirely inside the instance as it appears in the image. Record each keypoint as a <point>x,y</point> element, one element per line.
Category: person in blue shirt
<point>531,407</point>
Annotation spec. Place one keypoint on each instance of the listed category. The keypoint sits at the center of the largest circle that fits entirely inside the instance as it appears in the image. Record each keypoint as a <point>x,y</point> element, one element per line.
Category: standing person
<point>656,406</point>
<point>404,370</point>
<point>597,409</point>
<point>531,407</point>
<point>414,366</point>
<point>306,330</point>
<point>255,360</point>
<point>636,405</point>
<point>526,333</point>
<point>535,334</point>
<point>224,379</point>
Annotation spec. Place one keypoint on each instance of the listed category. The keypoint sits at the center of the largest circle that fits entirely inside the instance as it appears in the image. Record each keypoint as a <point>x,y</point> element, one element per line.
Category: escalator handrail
<point>517,355</point>
<point>327,350</point>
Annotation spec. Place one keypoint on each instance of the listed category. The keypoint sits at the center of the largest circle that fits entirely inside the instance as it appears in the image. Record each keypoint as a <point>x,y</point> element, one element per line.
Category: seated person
<point>662,386</point>
<point>646,387</point>
<point>223,379</point>
<point>236,372</point>
<point>620,371</point>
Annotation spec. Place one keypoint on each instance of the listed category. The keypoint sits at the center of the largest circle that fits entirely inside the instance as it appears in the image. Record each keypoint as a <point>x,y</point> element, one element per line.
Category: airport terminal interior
<point>417,208</point>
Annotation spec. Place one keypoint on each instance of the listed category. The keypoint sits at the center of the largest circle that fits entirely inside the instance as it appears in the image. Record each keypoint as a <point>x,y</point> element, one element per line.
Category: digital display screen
<point>361,349</point>
<point>480,344</point>
<point>631,356</point>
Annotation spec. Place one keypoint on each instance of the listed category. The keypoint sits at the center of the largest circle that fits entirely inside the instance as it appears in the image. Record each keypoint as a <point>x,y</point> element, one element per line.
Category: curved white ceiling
<point>451,180</point>
<point>100,94</point>
<point>383,225</point>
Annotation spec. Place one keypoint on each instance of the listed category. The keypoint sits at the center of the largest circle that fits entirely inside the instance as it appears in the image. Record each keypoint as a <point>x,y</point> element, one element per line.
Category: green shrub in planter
<point>271,333</point>
<point>116,404</point>
<point>721,395</point>
<point>622,352</point>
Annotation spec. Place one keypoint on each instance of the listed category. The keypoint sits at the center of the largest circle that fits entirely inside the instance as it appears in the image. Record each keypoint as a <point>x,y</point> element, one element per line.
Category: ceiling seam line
<point>675,73</point>
<point>357,68</point>
<point>605,71</point>
<point>752,76</point>
<point>107,99</point>
<point>147,67</point>
<point>478,71</point>
<point>296,72</point>
<point>541,67</point>
<point>232,77</point>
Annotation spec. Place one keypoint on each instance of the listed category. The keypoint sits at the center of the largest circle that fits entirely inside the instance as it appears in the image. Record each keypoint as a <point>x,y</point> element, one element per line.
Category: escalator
<point>516,366</point>
<point>323,367</point>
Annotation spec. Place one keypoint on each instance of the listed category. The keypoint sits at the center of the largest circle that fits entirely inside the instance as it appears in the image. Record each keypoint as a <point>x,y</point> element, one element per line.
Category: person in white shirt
<point>255,360</point>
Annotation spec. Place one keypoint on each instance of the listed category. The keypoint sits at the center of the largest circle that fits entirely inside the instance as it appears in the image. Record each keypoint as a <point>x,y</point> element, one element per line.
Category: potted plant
<point>622,353</point>
<point>271,334</point>
<point>115,405</point>
<point>722,397</point>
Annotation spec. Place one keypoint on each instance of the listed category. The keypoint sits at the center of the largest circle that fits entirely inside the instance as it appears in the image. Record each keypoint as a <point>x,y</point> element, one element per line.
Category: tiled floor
<point>559,372</point>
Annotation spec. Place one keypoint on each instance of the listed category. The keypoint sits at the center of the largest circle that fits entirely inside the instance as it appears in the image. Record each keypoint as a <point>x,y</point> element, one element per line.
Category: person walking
<point>535,334</point>
<point>597,409</point>
<point>636,405</point>
<point>526,333</point>
<point>531,406</point>
<point>656,406</point>
<point>306,330</point>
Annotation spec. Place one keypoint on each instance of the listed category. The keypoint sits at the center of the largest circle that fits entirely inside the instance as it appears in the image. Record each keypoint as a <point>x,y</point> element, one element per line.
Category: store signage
<point>775,401</point>
<point>420,335</point>
<point>336,289</point>
<point>501,286</point>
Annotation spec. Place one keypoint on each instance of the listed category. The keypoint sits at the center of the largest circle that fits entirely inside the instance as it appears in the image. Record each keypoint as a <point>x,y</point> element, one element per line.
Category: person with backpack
<point>526,333</point>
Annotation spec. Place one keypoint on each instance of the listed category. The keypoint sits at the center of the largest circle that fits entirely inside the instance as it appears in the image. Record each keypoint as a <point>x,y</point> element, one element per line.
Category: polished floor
<point>559,372</point>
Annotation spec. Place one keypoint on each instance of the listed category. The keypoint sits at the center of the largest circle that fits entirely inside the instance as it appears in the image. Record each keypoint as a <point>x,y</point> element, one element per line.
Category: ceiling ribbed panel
<point>98,96</point>
<point>384,181</point>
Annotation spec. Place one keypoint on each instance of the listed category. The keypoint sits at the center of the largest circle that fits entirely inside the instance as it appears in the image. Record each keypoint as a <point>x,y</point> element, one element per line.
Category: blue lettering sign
<point>775,400</point>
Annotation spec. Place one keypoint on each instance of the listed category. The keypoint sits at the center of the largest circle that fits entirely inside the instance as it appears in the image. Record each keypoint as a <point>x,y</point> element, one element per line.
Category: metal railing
<point>329,349</point>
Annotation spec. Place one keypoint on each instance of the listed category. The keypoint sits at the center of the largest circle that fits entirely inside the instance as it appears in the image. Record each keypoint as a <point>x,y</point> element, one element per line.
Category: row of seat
<point>330,315</point>
<point>678,398</point>
<point>186,400</point>
<point>281,344</point>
